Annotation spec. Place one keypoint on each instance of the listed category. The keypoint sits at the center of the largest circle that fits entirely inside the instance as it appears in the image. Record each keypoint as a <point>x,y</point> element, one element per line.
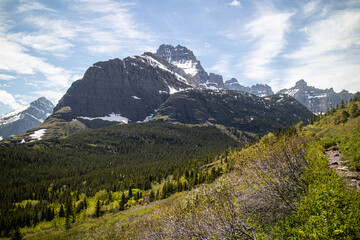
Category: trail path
<point>337,163</point>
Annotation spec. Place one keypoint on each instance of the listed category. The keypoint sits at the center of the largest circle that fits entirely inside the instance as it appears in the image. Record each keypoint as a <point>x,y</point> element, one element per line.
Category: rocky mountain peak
<point>25,118</point>
<point>178,54</point>
<point>301,83</point>
<point>315,99</point>
<point>185,59</point>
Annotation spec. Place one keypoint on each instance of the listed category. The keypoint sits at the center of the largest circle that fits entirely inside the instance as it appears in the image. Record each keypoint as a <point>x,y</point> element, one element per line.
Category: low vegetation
<point>279,188</point>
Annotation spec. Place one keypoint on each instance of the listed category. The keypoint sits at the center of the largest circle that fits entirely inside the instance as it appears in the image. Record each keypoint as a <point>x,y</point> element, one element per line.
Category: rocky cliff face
<point>239,110</point>
<point>123,90</point>
<point>185,59</point>
<point>260,90</point>
<point>316,100</point>
<point>25,118</point>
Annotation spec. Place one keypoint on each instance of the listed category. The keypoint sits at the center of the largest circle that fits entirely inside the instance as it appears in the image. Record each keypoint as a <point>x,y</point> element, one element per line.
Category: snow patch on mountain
<point>154,63</point>
<point>189,66</point>
<point>13,116</point>
<point>112,117</point>
<point>38,134</point>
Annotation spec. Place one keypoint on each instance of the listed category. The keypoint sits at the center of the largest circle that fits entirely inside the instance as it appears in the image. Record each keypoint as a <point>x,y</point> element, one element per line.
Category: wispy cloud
<point>310,7</point>
<point>224,66</point>
<point>14,58</point>
<point>330,53</point>
<point>235,3</point>
<point>112,27</point>
<point>267,35</point>
<point>26,6</point>
<point>6,77</point>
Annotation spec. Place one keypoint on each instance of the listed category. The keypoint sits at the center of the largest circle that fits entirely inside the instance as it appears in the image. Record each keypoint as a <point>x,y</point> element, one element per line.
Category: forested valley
<point>170,181</point>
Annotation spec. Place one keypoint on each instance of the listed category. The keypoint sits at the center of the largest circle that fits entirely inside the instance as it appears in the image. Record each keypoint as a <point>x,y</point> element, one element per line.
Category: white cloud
<point>26,6</point>
<point>235,3</point>
<point>267,35</point>
<point>330,56</point>
<point>8,100</point>
<point>310,7</point>
<point>14,58</point>
<point>112,27</point>
<point>6,77</point>
<point>224,66</point>
<point>53,95</point>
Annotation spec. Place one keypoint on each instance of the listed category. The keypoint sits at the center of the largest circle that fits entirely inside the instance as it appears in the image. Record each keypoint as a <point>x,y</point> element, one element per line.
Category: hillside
<point>240,110</point>
<point>279,188</point>
<point>113,159</point>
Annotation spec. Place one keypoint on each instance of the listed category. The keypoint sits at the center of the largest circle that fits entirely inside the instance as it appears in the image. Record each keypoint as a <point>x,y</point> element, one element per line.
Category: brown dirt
<point>341,166</point>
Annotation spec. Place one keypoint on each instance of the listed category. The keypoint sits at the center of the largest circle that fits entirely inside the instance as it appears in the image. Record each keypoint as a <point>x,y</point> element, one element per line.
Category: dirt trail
<point>337,163</point>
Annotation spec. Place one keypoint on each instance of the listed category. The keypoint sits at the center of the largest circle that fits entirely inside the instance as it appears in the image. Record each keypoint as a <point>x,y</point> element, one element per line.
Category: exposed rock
<point>132,88</point>
<point>260,90</point>
<point>185,59</point>
<point>317,100</point>
<point>240,110</point>
<point>25,118</point>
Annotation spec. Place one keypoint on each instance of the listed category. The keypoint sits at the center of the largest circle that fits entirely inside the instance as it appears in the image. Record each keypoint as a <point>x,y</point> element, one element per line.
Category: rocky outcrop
<point>215,81</point>
<point>315,99</point>
<point>25,118</point>
<point>185,59</point>
<point>130,89</point>
<point>260,90</point>
<point>239,110</point>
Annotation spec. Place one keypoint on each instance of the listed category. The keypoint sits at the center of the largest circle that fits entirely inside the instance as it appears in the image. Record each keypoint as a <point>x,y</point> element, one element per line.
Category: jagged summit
<point>315,99</point>
<point>130,89</point>
<point>300,83</point>
<point>185,59</point>
<point>25,118</point>
<point>260,90</point>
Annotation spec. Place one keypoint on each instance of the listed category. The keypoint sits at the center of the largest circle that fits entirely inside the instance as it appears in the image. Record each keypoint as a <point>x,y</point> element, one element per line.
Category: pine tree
<point>130,192</point>
<point>355,110</point>
<point>61,212</point>
<point>151,196</point>
<point>67,223</point>
<point>97,210</point>
<point>16,235</point>
<point>85,203</point>
<point>342,104</point>
<point>122,202</point>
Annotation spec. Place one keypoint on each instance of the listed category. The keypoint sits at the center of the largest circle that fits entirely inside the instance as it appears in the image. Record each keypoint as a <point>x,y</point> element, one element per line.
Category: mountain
<point>260,90</point>
<point>25,118</point>
<point>137,88</point>
<point>240,110</point>
<point>185,59</point>
<point>315,99</point>
<point>127,90</point>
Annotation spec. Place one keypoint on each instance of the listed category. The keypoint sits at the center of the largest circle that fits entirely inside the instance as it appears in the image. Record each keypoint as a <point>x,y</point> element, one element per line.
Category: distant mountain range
<point>25,118</point>
<point>171,85</point>
<point>315,99</point>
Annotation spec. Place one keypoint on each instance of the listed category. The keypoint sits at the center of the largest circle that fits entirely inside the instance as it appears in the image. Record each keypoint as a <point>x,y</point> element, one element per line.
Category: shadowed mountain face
<point>315,99</point>
<point>240,110</point>
<point>25,118</point>
<point>132,88</point>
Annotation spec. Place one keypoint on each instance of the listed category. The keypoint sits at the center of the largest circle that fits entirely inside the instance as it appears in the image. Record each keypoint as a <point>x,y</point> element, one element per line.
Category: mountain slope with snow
<point>25,118</point>
<point>315,99</point>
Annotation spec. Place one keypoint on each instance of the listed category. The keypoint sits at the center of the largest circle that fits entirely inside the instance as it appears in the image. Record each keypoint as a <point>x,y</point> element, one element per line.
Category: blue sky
<point>46,45</point>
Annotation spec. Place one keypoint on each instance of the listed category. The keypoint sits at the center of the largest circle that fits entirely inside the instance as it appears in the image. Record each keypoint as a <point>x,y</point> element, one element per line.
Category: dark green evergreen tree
<point>61,212</point>
<point>151,196</point>
<point>98,209</point>
<point>122,202</point>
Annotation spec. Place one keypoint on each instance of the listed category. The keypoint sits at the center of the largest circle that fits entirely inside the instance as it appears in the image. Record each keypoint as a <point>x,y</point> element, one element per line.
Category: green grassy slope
<point>279,188</point>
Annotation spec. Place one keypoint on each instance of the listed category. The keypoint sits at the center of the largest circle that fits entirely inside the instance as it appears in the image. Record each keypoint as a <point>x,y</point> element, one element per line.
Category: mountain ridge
<point>25,118</point>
